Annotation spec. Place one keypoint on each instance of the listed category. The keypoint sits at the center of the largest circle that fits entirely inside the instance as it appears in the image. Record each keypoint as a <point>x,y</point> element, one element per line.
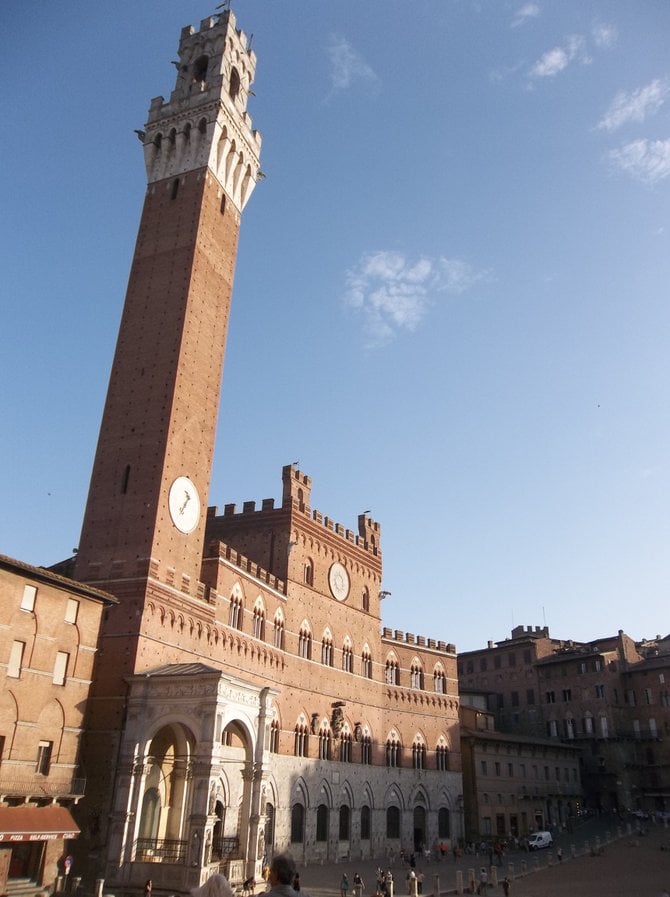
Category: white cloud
<point>559,58</point>
<point>645,160</point>
<point>636,105</point>
<point>605,36</point>
<point>525,12</point>
<point>347,66</point>
<point>393,293</point>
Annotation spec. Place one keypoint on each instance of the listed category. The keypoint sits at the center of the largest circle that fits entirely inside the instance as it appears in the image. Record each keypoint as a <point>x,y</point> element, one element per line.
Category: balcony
<point>41,786</point>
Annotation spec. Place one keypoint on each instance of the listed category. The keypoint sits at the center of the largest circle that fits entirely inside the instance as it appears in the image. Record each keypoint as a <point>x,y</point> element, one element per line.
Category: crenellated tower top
<point>205,122</point>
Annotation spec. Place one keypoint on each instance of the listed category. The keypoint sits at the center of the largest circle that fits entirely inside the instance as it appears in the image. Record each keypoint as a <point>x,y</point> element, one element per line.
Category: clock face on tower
<point>184,505</point>
<point>338,580</point>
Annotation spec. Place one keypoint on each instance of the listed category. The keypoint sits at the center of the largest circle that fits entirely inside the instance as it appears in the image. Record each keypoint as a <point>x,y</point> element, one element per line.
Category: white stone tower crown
<point>205,123</point>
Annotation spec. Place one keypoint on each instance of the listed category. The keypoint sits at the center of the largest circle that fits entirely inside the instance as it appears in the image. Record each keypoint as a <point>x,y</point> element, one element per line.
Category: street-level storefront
<point>32,842</point>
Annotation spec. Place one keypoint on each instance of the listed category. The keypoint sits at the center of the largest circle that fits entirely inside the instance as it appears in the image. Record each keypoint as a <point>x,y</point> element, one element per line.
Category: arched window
<point>439,681</point>
<point>392,672</point>
<point>259,622</point>
<point>392,822</point>
<point>366,750</point>
<point>278,637</point>
<point>234,87</point>
<point>366,600</point>
<point>327,650</point>
<point>345,823</point>
<point>345,747</point>
<point>200,69</point>
<point>366,664</point>
<point>305,643</point>
<point>274,737</point>
<point>393,752</point>
<point>365,823</point>
<point>301,741</point>
<point>322,823</point>
<point>235,613</point>
<point>297,824</point>
<point>347,657</point>
<point>441,758</point>
<point>324,743</point>
<point>418,755</point>
<point>416,676</point>
<point>308,572</point>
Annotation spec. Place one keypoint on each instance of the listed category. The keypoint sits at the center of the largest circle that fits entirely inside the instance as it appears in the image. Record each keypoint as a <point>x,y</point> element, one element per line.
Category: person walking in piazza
<point>506,886</point>
<point>358,885</point>
<point>411,882</point>
<point>344,885</point>
<point>388,883</point>
<point>483,882</point>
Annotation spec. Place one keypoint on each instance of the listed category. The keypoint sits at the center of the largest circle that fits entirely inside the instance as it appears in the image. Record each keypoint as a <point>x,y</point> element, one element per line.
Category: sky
<point>451,296</point>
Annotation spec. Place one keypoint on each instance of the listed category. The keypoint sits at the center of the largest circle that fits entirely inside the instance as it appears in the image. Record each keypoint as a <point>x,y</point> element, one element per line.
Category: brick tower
<point>144,524</point>
<point>152,467</point>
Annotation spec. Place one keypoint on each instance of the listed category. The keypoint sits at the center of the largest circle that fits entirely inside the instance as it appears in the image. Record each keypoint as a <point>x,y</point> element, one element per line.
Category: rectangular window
<point>71,610</point>
<point>515,699</point>
<point>486,825</point>
<point>530,696</point>
<point>653,731</point>
<point>567,694</point>
<point>60,668</point>
<point>600,691</point>
<point>43,763</point>
<point>510,770</point>
<point>527,656</point>
<point>28,599</point>
<point>522,770</point>
<point>16,659</point>
<point>630,697</point>
<point>551,697</point>
<point>511,660</point>
<point>647,696</point>
<point>483,767</point>
<point>497,768</point>
<point>496,662</point>
<point>598,666</point>
<point>482,664</point>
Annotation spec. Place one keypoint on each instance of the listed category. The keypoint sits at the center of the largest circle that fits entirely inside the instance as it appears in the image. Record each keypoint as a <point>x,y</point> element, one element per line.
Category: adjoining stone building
<point>608,696</point>
<point>514,784</point>
<point>48,637</point>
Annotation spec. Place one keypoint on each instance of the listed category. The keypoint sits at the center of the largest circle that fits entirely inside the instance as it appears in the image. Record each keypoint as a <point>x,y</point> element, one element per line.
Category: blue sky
<point>451,298</point>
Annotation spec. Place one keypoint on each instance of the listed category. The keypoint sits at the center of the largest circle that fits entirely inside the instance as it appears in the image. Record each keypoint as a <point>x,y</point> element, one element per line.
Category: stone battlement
<point>296,496</point>
<point>420,641</point>
<point>237,559</point>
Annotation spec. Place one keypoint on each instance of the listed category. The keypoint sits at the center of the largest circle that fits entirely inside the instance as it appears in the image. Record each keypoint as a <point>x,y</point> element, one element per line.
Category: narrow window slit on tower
<point>175,188</point>
<point>126,478</point>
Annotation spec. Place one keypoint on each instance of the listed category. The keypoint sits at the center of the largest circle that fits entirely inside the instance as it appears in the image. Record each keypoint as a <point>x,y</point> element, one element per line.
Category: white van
<point>540,840</point>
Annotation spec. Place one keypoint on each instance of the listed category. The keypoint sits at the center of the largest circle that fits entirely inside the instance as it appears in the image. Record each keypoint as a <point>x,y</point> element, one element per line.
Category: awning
<point>36,824</point>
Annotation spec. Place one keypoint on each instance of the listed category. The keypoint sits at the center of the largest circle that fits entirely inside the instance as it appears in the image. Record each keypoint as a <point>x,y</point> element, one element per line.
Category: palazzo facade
<point>246,698</point>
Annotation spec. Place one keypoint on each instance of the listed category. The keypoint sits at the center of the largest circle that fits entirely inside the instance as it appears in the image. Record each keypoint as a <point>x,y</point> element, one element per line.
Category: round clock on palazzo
<point>338,580</point>
<point>184,505</point>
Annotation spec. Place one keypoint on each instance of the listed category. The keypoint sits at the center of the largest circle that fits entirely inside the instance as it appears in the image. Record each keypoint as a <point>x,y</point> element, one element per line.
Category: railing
<point>42,786</point>
<point>227,849</point>
<point>158,850</point>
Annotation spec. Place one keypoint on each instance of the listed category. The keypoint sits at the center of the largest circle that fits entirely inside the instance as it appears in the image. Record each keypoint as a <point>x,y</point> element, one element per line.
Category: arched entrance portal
<point>419,828</point>
<point>163,807</point>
